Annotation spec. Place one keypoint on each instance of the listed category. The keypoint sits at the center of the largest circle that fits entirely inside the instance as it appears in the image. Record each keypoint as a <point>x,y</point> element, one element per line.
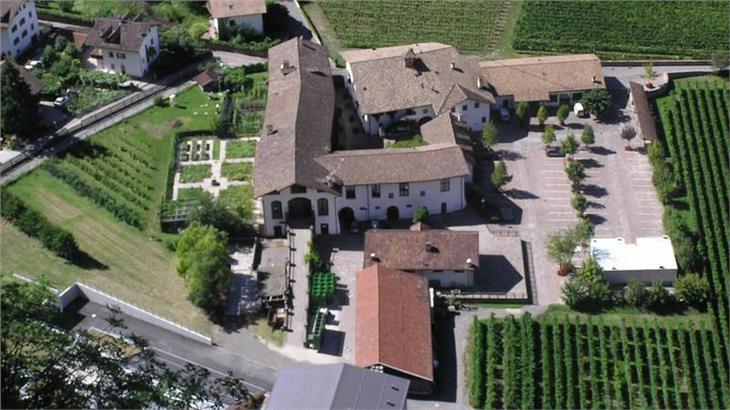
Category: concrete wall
<point>622,277</point>
<point>80,290</point>
<point>24,33</point>
<point>255,21</point>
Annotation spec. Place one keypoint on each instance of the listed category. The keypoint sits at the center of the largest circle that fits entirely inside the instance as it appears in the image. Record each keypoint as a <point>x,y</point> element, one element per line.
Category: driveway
<point>230,59</point>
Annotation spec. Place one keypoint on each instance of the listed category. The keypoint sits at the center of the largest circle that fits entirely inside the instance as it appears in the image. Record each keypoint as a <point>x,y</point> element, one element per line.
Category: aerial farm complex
<point>365,204</point>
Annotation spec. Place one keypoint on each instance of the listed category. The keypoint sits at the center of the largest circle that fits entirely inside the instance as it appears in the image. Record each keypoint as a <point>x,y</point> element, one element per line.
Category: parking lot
<point>622,199</point>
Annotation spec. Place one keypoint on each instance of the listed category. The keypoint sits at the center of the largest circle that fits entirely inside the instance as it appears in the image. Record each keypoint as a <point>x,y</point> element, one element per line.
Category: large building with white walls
<point>18,27</point>
<point>122,46</point>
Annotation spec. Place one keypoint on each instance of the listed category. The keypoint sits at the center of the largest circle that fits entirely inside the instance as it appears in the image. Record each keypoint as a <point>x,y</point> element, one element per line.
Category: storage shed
<point>647,260</point>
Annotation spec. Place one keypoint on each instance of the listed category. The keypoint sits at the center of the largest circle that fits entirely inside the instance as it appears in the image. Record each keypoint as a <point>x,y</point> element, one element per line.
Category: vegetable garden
<point>473,26</point>
<point>695,123</point>
<point>584,363</point>
<point>624,29</point>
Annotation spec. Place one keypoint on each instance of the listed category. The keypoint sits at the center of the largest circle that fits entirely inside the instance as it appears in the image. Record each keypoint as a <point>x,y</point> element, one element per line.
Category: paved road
<point>230,59</point>
<point>298,25</point>
<point>625,74</point>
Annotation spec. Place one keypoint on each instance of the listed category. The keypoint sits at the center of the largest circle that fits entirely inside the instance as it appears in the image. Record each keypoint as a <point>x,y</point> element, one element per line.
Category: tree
<point>65,5</point>
<point>420,214</point>
<point>588,291</point>
<point>597,102</point>
<point>635,294</point>
<point>44,366</point>
<point>658,298</point>
<point>548,137</point>
<point>521,112</point>
<point>202,253</point>
<point>19,107</point>
<point>563,112</point>
<point>649,74</point>
<point>49,56</point>
<point>693,289</point>
<point>579,203</point>
<point>561,249</point>
<point>500,177</point>
<point>628,133</point>
<point>570,146</point>
<point>60,43</point>
<point>720,60</point>
<point>583,232</point>
<point>576,174</point>
<point>216,214</point>
<point>489,136</point>
<point>587,137</point>
<point>542,115</point>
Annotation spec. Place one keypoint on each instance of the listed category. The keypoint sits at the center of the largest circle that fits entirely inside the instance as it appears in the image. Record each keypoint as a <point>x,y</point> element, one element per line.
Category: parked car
<point>61,102</point>
<point>504,114</point>
<point>555,152</point>
<point>580,111</point>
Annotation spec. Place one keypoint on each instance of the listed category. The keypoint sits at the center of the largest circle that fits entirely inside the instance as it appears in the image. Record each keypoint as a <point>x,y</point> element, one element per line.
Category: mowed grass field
<point>130,263</point>
<point>469,25</point>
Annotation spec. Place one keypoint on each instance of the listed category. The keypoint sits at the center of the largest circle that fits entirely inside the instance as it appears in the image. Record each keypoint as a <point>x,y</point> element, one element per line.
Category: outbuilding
<point>646,260</point>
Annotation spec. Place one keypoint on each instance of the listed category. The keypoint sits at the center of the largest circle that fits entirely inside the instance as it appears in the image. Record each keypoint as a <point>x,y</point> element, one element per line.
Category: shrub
<point>489,136</point>
<point>579,203</point>
<point>570,145</point>
<point>563,112</point>
<point>587,291</point>
<point>522,112</point>
<point>658,298</point>
<point>597,102</point>
<point>500,177</point>
<point>420,214</point>
<point>548,137</point>
<point>587,137</point>
<point>542,115</point>
<point>635,294</point>
<point>693,290</point>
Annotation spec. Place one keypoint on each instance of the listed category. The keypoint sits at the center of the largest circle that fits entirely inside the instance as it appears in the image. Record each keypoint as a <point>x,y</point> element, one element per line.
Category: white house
<point>122,46</point>
<point>647,260</point>
<point>235,13</point>
<point>446,258</point>
<point>416,82</point>
<point>298,174</point>
<point>18,26</point>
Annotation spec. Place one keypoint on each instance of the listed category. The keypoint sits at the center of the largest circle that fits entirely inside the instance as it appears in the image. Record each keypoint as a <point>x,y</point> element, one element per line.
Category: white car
<point>579,110</point>
<point>61,102</point>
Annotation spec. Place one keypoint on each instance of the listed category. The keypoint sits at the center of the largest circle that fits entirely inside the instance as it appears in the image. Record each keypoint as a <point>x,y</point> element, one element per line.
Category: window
<point>113,68</point>
<point>276,210</point>
<point>231,23</point>
<point>476,105</point>
<point>577,96</point>
<point>453,109</point>
<point>32,26</point>
<point>403,189</point>
<point>464,107</point>
<point>25,33</point>
<point>350,192</point>
<point>484,120</point>
<point>111,54</point>
<point>425,110</point>
<point>422,193</point>
<point>14,28</point>
<point>22,21</point>
<point>375,191</point>
<point>16,41</point>
<point>121,55</point>
<point>298,189</point>
<point>445,185</point>
<point>553,98</point>
<point>323,208</point>
<point>324,229</point>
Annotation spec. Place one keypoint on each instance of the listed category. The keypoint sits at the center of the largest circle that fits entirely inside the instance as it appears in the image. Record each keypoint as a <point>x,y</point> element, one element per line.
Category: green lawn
<point>242,171</point>
<point>240,149</point>
<point>194,173</point>
<point>416,141</point>
<point>129,162</point>
<point>88,99</point>
<point>192,194</point>
<point>619,315</point>
<point>239,198</point>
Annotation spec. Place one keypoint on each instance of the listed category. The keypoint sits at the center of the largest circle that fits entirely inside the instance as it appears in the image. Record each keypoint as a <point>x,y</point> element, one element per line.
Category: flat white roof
<point>645,254</point>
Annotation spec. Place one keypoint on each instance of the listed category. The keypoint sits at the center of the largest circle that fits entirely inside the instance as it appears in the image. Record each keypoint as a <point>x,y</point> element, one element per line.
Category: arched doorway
<point>347,217</point>
<point>392,213</point>
<point>300,208</point>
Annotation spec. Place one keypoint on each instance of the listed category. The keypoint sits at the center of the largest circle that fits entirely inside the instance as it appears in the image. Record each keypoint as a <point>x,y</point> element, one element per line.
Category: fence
<point>77,290</point>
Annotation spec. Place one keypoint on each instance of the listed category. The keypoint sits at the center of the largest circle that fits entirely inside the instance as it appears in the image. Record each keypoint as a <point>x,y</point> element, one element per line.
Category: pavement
<point>230,59</point>
<point>298,25</point>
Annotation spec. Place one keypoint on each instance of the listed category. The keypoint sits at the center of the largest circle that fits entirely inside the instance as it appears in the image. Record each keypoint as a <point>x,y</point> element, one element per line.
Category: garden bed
<point>241,171</point>
<point>240,149</point>
<point>194,173</point>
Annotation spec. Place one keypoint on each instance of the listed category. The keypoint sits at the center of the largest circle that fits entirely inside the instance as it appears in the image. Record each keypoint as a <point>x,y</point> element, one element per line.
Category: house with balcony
<point>416,82</point>
<point>299,175</point>
<point>18,27</point>
<point>232,14</point>
<point>123,46</point>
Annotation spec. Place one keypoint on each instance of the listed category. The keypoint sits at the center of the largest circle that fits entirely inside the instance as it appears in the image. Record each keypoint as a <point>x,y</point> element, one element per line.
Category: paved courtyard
<point>622,199</point>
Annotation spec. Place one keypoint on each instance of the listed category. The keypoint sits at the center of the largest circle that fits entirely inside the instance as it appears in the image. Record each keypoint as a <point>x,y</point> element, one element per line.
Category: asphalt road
<point>624,74</point>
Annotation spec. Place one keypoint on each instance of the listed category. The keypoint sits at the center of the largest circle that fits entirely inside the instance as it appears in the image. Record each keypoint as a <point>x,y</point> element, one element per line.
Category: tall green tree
<point>202,253</point>
<point>588,291</point>
<point>522,113</point>
<point>420,214</point>
<point>587,137</point>
<point>45,366</point>
<point>548,137</point>
<point>570,146</point>
<point>19,107</point>
<point>597,102</point>
<point>542,115</point>
<point>579,203</point>
<point>576,174</point>
<point>489,136</point>
<point>563,112</point>
<point>500,177</point>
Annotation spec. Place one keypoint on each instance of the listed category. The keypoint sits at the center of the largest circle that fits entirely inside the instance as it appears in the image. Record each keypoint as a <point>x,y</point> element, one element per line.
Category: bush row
<point>32,223</point>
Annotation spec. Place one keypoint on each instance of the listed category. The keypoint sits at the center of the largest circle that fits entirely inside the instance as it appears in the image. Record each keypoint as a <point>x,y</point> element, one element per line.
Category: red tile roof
<point>393,321</point>
<point>233,8</point>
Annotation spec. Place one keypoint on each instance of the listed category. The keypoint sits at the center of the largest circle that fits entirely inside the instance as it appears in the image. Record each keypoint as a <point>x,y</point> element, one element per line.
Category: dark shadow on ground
<point>86,261</point>
<point>595,205</point>
<point>575,126</point>
<point>590,163</point>
<point>509,155</point>
<point>598,150</point>
<point>297,29</point>
<point>332,342</point>
<point>596,219</point>
<point>496,274</point>
<point>520,194</point>
<point>510,131</point>
<point>595,191</point>
<point>445,354</point>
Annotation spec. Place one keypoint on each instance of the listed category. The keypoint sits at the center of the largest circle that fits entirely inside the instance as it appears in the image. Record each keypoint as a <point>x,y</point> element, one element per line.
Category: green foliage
<point>235,79</point>
<point>217,214</point>
<point>202,253</point>
<point>583,231</point>
<point>587,291</point>
<point>563,112</point>
<point>597,102</point>
<point>650,74</point>
<point>60,44</point>
<point>194,173</point>
<point>587,137</point>
<point>489,136</point>
<point>241,171</point>
<point>561,249</point>
<point>579,203</point>
<point>521,113</point>
<point>658,297</point>
<point>548,137</point>
<point>476,392</point>
<point>49,56</point>
<point>576,173</point>
<point>420,214</point>
<point>240,149</point>
<point>500,177</point>
<point>33,223</point>
<point>542,115</point>
<point>635,294</point>
<point>312,256</point>
<point>45,366</point>
<point>623,30</point>
<point>692,289</point>
<point>322,289</point>
<point>720,59</point>
<point>19,107</point>
<point>570,145</point>
<point>416,141</point>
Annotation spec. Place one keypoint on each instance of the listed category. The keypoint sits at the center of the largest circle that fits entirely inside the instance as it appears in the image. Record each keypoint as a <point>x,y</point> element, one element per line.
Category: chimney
<point>453,65</point>
<point>593,79</point>
<point>469,263</point>
<point>410,58</point>
<point>431,248</point>
<point>286,67</point>
<point>269,129</point>
<point>373,257</point>
<point>479,83</point>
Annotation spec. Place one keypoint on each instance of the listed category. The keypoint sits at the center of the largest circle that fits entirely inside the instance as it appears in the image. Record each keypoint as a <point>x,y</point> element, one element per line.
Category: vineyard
<point>624,29</point>
<point>584,363</point>
<point>694,118</point>
<point>470,26</point>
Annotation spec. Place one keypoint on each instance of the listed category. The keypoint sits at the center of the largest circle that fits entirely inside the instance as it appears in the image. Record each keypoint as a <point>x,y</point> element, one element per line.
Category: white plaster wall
<point>30,26</point>
<point>622,277</point>
<point>135,64</point>
<point>472,116</point>
<point>286,195</point>
<point>255,21</point>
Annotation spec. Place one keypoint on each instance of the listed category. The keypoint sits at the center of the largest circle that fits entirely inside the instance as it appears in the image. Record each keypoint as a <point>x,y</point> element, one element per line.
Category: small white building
<point>18,27</point>
<point>647,260</point>
<point>416,82</point>
<point>235,13</point>
<point>122,46</point>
